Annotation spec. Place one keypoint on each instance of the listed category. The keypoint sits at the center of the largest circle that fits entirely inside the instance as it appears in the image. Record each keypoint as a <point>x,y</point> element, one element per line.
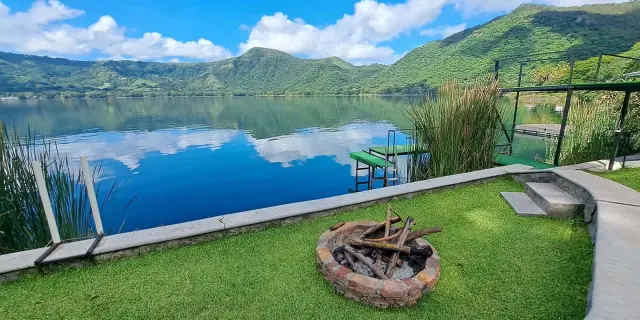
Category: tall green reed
<point>460,128</point>
<point>589,135</point>
<point>22,221</point>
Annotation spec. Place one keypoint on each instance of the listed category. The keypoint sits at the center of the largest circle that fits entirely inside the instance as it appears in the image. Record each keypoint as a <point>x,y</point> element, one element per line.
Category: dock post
<point>620,130</point>
<point>357,170</point>
<point>46,202</point>
<point>598,67</point>
<point>515,111</point>
<point>563,126</point>
<point>91,193</point>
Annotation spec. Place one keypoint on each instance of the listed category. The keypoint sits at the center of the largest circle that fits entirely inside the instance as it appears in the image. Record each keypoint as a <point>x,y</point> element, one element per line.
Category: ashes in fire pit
<point>378,263</point>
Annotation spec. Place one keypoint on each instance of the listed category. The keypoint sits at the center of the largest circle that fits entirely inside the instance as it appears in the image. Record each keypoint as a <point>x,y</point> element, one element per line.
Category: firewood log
<point>366,262</point>
<point>379,226</point>
<point>417,234</point>
<point>401,239</point>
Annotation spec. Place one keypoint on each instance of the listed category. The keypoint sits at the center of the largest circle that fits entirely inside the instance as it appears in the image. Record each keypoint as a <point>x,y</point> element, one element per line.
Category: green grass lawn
<point>495,265</point>
<point>629,177</point>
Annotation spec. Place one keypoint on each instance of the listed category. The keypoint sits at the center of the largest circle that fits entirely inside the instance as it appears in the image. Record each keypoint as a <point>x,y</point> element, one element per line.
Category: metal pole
<point>563,126</point>
<point>598,67</point>
<point>571,64</point>
<point>515,111</point>
<point>357,170</point>
<point>46,202</point>
<point>88,181</point>
<point>620,130</point>
<point>624,110</point>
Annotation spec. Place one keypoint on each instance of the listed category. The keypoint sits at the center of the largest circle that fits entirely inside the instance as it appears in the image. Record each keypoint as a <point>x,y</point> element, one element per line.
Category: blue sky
<point>364,31</point>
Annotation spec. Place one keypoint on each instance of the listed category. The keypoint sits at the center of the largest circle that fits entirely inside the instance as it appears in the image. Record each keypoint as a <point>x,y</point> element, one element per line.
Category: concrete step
<point>522,204</point>
<point>553,200</point>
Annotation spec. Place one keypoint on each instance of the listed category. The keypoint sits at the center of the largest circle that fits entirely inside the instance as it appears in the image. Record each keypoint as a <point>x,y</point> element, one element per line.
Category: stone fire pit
<point>369,290</point>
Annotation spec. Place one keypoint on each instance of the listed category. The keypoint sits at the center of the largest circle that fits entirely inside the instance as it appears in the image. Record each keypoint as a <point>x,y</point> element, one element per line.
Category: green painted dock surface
<point>400,150</point>
<point>370,160</point>
<point>505,160</point>
<point>631,86</point>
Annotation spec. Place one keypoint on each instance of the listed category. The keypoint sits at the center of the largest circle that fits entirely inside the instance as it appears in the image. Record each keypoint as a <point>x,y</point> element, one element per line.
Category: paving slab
<point>522,204</point>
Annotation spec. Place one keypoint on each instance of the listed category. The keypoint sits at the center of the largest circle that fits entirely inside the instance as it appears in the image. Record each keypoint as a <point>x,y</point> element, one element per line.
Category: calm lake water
<point>183,159</point>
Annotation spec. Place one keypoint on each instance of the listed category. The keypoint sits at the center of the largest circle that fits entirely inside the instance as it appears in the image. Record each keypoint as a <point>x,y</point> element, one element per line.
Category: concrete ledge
<point>199,230</point>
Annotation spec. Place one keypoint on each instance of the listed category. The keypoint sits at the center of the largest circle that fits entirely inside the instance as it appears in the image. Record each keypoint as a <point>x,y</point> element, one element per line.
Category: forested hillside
<point>586,31</point>
<point>258,71</point>
<point>581,32</point>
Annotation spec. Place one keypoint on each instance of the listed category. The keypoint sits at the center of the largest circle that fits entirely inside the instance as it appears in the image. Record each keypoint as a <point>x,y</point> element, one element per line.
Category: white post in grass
<point>46,202</point>
<point>88,181</point>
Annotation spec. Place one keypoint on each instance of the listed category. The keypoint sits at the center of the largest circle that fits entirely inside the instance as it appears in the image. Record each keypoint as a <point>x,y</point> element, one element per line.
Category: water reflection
<point>129,148</point>
<point>190,158</point>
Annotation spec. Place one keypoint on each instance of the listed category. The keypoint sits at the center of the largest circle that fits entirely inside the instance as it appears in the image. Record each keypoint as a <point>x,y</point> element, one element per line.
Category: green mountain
<point>583,31</point>
<point>259,70</point>
<point>586,31</point>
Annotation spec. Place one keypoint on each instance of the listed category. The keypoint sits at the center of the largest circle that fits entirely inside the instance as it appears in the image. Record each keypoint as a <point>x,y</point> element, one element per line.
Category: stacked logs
<point>384,242</point>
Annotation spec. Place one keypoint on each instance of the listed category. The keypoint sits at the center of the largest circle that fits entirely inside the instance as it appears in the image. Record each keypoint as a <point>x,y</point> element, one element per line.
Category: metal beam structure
<point>610,55</point>
<point>626,87</point>
<point>51,220</point>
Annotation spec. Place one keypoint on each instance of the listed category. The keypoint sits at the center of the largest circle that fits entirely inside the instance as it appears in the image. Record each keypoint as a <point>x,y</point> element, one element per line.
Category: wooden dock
<point>539,130</point>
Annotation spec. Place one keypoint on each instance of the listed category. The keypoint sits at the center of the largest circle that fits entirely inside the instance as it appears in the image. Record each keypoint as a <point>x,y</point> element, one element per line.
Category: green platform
<point>630,86</point>
<point>505,160</point>
<point>370,160</point>
<point>400,150</point>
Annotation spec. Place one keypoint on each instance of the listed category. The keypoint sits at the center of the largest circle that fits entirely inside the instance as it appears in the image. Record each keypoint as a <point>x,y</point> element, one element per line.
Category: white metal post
<point>46,202</point>
<point>88,181</point>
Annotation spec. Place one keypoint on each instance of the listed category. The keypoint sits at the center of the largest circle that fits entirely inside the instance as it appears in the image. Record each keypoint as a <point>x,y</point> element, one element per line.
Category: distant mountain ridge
<point>585,31</point>
<point>258,71</point>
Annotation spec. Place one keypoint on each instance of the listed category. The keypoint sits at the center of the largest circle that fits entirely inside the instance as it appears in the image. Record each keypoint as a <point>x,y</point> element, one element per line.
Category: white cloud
<point>308,144</point>
<point>353,37</point>
<point>360,37</point>
<point>443,31</point>
<point>472,7</point>
<point>129,148</point>
<point>40,30</point>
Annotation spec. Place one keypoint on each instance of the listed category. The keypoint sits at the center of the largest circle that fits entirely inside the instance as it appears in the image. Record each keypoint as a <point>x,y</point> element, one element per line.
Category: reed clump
<point>460,126</point>
<point>23,224</point>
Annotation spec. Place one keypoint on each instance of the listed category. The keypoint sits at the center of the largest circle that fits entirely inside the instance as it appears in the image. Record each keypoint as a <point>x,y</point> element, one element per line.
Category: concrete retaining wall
<point>14,265</point>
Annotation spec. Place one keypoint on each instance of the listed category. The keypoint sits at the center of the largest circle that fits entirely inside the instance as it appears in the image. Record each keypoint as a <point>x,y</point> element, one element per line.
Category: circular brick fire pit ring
<point>368,290</point>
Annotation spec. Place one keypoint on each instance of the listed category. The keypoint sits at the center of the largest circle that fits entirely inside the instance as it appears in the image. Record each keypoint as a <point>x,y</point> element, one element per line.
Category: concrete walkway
<point>615,290</point>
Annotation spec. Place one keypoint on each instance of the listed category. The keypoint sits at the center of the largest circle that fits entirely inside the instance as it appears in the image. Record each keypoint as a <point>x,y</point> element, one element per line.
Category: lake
<point>188,158</point>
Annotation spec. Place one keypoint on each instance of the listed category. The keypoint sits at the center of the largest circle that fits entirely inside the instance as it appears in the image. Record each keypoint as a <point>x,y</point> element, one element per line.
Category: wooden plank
<point>400,150</point>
